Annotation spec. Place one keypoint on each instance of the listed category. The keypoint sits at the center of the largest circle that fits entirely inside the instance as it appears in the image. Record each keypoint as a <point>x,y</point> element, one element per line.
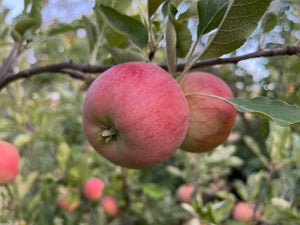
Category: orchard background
<point>51,51</point>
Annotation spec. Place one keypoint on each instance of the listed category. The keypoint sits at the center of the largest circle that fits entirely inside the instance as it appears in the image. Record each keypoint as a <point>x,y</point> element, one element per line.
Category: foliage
<point>259,163</point>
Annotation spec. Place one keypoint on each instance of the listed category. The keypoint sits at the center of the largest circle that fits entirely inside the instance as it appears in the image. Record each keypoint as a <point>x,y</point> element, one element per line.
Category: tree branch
<point>73,69</point>
<point>77,70</point>
<point>9,62</point>
<point>289,50</point>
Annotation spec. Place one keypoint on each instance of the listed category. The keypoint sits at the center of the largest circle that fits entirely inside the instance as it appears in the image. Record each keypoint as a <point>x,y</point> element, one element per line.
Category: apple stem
<point>107,133</point>
<point>206,95</point>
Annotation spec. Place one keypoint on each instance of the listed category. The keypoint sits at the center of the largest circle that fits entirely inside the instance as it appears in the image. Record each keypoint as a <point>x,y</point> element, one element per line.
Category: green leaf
<point>35,12</point>
<point>133,28</point>
<point>62,154</point>
<point>234,222</point>
<point>153,5</point>
<point>191,12</point>
<point>91,32</point>
<point>32,20</point>
<point>282,214</point>
<point>22,139</point>
<point>183,38</point>
<point>269,21</point>
<point>255,148</point>
<point>175,171</point>
<point>122,5</point>
<point>241,189</point>
<point>15,35</point>
<point>210,14</point>
<point>166,8</point>
<point>255,182</point>
<point>124,55</point>
<point>27,184</point>
<point>26,3</point>
<point>153,190</point>
<point>220,154</point>
<point>66,27</point>
<point>276,110</point>
<point>25,24</point>
<point>3,15</point>
<point>223,209</point>
<point>279,142</point>
<point>5,43</point>
<point>239,21</point>
<point>171,47</point>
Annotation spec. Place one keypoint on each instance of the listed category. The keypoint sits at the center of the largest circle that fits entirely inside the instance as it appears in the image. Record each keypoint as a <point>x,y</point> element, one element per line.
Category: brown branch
<point>77,70</point>
<point>289,50</point>
<point>10,61</point>
<point>73,69</point>
<point>73,73</point>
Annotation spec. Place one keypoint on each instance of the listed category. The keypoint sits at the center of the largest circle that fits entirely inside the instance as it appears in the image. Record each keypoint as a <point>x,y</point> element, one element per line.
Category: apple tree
<point>150,112</point>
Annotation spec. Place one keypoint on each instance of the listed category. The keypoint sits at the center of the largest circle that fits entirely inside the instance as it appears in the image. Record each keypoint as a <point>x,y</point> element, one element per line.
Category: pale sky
<point>51,12</point>
<point>16,7</point>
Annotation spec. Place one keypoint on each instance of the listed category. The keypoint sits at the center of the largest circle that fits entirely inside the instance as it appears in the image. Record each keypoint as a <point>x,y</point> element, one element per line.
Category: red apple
<point>135,115</point>
<point>68,202</point>
<point>211,120</point>
<point>9,162</point>
<point>243,212</point>
<point>185,192</point>
<point>110,205</point>
<point>93,189</point>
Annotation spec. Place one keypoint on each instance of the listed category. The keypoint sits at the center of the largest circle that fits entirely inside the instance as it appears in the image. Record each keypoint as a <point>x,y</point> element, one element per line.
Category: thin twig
<point>10,61</point>
<point>125,189</point>
<point>73,73</point>
<point>272,171</point>
<point>289,50</point>
<point>73,69</point>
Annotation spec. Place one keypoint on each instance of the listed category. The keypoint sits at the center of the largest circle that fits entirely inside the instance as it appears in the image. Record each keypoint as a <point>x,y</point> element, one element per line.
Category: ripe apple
<point>93,188</point>
<point>68,202</point>
<point>9,162</point>
<point>243,212</point>
<point>184,193</point>
<point>211,119</point>
<point>110,205</point>
<point>135,115</point>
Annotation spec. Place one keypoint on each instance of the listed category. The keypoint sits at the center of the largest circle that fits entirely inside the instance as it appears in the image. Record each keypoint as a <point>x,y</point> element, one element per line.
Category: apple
<point>135,115</point>
<point>9,162</point>
<point>243,212</point>
<point>93,188</point>
<point>211,119</point>
<point>68,202</point>
<point>184,193</point>
<point>110,206</point>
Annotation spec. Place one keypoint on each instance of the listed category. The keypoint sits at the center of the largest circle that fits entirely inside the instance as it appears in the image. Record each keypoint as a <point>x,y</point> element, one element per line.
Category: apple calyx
<point>107,133</point>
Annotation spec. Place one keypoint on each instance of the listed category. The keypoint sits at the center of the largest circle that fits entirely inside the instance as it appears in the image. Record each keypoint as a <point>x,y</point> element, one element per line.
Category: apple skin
<point>65,202</point>
<point>184,193</point>
<point>243,212</point>
<point>9,162</point>
<point>211,120</point>
<point>110,206</point>
<point>143,110</point>
<point>93,189</point>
